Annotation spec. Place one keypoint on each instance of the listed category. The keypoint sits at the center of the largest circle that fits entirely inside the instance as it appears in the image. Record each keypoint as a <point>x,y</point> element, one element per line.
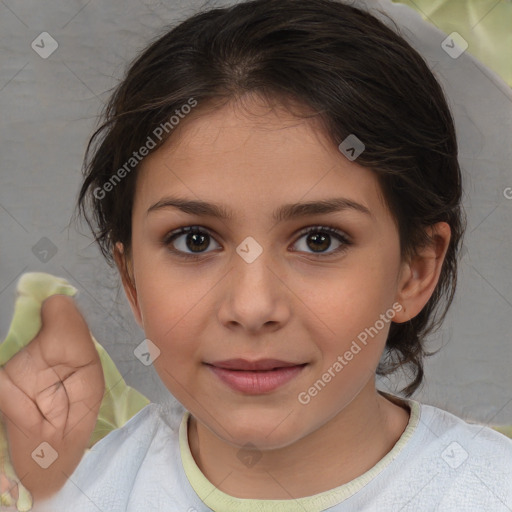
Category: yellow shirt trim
<point>220,501</point>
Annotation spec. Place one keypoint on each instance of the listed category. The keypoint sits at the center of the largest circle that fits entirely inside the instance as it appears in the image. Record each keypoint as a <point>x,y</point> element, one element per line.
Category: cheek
<point>166,293</point>
<point>172,306</point>
<point>344,320</point>
<point>172,325</point>
<point>343,316</point>
<point>168,314</point>
<point>349,300</point>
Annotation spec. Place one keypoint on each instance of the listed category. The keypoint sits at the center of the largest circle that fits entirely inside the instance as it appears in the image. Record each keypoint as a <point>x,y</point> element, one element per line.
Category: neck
<point>362,434</point>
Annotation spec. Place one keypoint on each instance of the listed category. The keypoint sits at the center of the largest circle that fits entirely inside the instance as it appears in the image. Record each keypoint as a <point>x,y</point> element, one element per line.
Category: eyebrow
<point>283,213</point>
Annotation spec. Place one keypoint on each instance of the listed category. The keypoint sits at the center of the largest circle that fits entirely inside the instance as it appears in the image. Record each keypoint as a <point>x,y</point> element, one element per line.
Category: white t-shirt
<point>440,463</point>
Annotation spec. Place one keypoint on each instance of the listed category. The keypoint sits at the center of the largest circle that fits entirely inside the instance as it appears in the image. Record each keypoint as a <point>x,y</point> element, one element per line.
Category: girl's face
<point>262,284</point>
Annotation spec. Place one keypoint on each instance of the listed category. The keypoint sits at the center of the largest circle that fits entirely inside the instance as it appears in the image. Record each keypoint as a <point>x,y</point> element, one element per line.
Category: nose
<point>254,294</point>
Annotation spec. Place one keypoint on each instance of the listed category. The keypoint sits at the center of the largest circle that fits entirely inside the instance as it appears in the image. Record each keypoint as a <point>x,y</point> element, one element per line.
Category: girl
<point>277,183</point>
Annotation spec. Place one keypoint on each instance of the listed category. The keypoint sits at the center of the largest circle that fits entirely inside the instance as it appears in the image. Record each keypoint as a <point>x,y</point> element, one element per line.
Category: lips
<point>259,365</point>
<point>256,377</point>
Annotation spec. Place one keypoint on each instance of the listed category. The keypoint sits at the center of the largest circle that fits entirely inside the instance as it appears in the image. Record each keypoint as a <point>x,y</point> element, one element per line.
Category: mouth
<point>259,365</point>
<point>257,377</point>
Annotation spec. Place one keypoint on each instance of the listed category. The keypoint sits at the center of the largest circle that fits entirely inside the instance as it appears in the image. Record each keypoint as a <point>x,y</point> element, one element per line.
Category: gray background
<point>49,108</point>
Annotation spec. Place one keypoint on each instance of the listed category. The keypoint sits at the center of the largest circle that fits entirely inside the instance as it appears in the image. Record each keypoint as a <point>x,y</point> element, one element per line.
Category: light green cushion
<point>484,24</point>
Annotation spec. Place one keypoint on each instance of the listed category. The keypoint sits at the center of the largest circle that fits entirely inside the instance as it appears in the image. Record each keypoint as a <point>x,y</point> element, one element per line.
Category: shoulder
<point>445,463</point>
<point>472,463</point>
<point>110,472</point>
<point>479,441</point>
<point>142,436</point>
<point>138,433</point>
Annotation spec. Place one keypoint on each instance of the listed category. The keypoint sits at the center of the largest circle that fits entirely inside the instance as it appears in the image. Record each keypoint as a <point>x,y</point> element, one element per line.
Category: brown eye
<point>192,241</point>
<point>319,239</point>
<point>195,240</point>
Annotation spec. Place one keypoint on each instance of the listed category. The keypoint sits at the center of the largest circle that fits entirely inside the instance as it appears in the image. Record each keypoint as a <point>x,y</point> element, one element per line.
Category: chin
<point>266,432</point>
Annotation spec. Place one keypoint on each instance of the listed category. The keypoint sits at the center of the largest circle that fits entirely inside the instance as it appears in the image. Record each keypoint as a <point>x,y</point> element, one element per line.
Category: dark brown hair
<point>344,64</point>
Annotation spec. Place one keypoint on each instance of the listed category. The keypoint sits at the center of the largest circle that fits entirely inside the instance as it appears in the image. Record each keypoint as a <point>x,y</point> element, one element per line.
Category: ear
<point>124,265</point>
<point>420,275</point>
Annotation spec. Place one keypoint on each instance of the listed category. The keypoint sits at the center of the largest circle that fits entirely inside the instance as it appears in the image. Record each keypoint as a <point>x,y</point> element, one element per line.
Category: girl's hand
<point>50,395</point>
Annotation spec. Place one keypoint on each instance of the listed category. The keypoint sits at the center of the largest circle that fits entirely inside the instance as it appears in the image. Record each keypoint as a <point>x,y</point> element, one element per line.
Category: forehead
<point>239,127</point>
<point>251,156</point>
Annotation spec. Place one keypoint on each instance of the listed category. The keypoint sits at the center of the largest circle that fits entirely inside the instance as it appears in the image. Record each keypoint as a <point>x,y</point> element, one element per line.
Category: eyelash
<point>339,235</point>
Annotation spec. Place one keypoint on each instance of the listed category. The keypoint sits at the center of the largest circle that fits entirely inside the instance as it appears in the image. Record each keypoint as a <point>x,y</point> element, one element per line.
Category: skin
<point>294,302</point>
<point>51,392</point>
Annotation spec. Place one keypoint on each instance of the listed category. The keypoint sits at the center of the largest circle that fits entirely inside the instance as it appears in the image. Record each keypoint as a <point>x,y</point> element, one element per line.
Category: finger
<point>8,486</point>
<point>16,407</point>
<point>64,335</point>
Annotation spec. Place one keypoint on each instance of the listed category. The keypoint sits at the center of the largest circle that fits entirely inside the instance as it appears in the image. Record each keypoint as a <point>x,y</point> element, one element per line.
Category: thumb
<point>65,336</point>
